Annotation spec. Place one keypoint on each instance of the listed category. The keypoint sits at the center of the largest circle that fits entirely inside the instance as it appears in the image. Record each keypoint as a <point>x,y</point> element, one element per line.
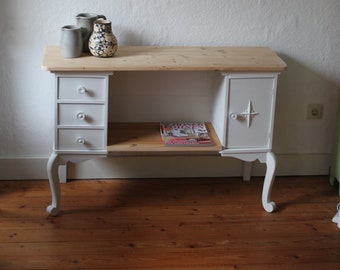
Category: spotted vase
<point>102,42</point>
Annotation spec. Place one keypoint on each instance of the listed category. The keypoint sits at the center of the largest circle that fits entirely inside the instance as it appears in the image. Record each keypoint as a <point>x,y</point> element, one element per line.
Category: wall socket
<point>314,111</point>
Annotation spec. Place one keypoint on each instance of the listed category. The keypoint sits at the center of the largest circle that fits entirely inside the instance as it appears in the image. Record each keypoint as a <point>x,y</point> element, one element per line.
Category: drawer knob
<point>82,90</point>
<point>248,114</point>
<point>234,116</point>
<point>81,116</point>
<point>80,141</point>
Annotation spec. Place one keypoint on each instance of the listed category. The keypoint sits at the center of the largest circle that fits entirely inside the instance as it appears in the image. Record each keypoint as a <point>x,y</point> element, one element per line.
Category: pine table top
<point>147,58</point>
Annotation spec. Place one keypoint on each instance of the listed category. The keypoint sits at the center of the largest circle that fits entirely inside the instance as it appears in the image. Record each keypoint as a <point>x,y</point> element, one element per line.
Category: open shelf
<point>131,139</point>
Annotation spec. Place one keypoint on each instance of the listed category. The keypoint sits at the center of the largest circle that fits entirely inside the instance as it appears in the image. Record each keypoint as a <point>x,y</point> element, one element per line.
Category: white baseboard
<point>23,168</point>
<point>160,167</point>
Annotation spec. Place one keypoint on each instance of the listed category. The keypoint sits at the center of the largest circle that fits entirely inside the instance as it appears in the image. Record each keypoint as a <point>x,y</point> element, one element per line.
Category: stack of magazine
<point>185,134</point>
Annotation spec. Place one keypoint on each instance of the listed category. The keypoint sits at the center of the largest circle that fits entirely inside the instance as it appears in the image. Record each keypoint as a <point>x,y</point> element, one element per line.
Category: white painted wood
<point>250,111</point>
<point>62,172</point>
<point>52,171</point>
<point>79,87</point>
<point>80,139</point>
<point>77,114</point>
<point>81,114</point>
<point>219,107</point>
<point>270,161</point>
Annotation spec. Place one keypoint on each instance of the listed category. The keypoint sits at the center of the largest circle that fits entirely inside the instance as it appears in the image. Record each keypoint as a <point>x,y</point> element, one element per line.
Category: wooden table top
<point>147,58</point>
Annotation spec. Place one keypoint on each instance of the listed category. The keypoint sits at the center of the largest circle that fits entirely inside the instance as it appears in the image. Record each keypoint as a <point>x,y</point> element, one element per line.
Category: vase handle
<point>101,17</point>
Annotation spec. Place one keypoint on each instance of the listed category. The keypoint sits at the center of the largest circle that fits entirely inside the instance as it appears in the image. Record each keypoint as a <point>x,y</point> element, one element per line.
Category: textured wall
<point>305,33</point>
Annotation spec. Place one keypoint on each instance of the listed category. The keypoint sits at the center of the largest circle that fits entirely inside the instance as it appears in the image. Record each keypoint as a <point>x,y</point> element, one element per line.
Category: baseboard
<point>19,168</point>
<point>160,167</point>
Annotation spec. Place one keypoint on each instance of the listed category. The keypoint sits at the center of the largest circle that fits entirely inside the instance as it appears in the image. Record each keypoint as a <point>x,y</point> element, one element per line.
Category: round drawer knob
<point>82,90</point>
<point>80,141</point>
<point>233,116</point>
<point>81,116</point>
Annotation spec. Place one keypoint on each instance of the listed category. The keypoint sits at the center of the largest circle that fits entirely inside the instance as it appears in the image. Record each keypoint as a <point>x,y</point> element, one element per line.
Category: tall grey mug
<point>71,42</point>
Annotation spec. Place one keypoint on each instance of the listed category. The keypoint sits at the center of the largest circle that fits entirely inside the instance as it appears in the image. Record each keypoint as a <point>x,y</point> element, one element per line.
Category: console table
<point>242,118</point>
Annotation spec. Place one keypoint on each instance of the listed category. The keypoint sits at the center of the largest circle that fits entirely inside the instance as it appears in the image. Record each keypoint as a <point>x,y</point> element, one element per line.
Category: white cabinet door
<point>250,111</point>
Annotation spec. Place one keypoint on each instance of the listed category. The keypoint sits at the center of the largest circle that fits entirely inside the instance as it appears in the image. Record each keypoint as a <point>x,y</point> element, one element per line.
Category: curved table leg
<point>52,171</point>
<point>269,205</point>
<point>264,157</point>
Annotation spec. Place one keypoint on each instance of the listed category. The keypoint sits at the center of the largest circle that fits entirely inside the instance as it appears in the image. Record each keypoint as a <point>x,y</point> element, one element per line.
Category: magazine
<point>185,134</point>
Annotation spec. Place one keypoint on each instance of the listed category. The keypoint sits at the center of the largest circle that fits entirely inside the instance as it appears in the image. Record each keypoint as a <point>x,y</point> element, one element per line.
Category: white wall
<point>305,33</point>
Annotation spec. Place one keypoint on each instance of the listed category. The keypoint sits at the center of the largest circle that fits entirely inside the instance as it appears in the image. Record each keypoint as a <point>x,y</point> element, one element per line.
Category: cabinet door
<point>250,111</point>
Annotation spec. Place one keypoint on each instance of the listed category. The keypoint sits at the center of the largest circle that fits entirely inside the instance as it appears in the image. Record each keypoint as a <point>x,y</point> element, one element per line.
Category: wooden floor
<point>170,224</point>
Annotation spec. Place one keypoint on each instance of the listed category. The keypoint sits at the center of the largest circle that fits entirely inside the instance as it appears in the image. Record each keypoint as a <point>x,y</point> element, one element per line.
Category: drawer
<point>82,88</point>
<point>81,114</point>
<point>80,139</point>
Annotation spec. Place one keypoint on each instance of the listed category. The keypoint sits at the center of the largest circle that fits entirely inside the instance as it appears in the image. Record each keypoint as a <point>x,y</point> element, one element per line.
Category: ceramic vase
<point>102,42</point>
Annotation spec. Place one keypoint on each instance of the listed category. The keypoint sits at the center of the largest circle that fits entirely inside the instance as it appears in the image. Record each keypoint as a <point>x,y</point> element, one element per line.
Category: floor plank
<point>170,224</point>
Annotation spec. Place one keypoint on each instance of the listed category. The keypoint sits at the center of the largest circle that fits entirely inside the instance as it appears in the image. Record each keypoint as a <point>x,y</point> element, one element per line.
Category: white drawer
<point>82,88</point>
<point>81,114</point>
<point>80,139</point>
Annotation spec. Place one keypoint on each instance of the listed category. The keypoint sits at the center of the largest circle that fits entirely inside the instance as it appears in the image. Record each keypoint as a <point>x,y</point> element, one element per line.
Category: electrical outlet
<point>314,111</point>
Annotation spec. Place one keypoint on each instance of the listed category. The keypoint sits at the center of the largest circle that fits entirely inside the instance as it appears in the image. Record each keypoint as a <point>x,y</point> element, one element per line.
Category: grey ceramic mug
<point>71,42</point>
<point>85,21</point>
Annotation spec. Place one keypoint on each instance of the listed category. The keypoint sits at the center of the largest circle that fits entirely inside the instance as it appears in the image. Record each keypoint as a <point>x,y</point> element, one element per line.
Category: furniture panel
<point>81,139</point>
<point>81,114</point>
<point>250,112</point>
<point>81,88</point>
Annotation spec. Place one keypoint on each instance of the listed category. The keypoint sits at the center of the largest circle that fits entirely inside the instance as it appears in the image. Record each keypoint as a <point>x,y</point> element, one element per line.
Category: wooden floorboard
<point>183,224</point>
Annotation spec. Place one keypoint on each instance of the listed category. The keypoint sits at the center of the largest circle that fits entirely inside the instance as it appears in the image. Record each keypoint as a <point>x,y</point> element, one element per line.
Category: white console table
<point>242,118</point>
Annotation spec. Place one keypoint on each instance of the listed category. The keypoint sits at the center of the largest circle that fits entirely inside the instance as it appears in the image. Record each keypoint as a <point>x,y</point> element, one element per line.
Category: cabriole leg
<point>269,205</point>
<point>52,172</point>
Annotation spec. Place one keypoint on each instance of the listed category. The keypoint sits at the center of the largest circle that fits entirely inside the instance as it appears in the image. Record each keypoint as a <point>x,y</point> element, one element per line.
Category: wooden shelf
<point>147,58</point>
<point>144,139</point>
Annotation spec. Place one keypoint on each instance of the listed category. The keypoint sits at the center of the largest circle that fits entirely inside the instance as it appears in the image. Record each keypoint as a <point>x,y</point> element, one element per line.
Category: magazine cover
<point>185,134</point>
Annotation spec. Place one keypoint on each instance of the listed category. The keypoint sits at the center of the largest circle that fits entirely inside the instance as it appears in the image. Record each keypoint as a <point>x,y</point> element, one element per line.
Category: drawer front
<point>81,114</point>
<point>79,139</point>
<point>81,88</point>
<point>250,112</point>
